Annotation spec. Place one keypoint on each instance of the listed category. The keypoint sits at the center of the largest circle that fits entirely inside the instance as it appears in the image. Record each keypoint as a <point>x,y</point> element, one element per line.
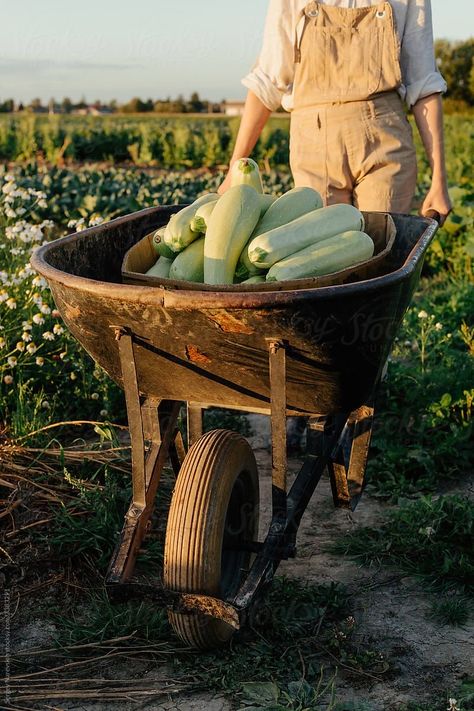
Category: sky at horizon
<point>115,50</point>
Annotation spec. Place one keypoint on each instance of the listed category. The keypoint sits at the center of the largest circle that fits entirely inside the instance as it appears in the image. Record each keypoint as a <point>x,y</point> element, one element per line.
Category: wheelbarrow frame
<point>340,440</point>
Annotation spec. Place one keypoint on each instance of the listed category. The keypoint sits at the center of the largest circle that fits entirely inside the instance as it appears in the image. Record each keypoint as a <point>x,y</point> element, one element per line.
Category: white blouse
<point>271,78</point>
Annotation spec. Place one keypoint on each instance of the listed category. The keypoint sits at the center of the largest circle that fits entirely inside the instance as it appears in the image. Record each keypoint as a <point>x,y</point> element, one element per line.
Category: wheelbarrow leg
<point>153,421</point>
<point>194,414</point>
<point>348,462</point>
<point>277,367</point>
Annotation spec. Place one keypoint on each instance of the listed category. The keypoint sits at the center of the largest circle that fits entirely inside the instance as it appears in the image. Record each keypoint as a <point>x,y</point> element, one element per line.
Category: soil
<point>427,661</point>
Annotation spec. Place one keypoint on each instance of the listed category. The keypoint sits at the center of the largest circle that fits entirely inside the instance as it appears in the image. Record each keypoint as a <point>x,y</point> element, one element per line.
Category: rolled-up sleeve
<point>272,74</point>
<point>420,74</point>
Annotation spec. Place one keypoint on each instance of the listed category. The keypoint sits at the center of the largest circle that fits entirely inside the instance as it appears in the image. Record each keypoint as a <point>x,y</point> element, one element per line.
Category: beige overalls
<point>350,138</point>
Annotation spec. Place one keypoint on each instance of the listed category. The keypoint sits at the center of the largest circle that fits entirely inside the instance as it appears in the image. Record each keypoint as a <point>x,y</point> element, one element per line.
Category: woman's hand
<point>225,185</point>
<point>437,199</point>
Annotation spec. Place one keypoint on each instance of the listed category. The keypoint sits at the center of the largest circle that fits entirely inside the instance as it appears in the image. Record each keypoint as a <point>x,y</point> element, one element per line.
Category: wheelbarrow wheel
<point>213,509</point>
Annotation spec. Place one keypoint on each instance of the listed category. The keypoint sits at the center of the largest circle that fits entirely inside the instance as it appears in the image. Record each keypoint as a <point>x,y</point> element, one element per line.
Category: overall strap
<point>311,10</point>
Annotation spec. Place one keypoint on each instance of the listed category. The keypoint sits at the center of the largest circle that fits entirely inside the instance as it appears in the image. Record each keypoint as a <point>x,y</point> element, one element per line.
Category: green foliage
<point>88,525</point>
<point>456,63</point>
<point>171,142</point>
<point>424,428</point>
<point>430,538</point>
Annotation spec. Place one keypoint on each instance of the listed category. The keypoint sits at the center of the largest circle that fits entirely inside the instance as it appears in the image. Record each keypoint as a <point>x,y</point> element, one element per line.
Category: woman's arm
<point>254,118</point>
<point>428,113</point>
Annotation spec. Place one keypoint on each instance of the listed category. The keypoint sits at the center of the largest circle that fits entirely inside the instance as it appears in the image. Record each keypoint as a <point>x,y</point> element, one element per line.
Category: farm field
<point>375,614</point>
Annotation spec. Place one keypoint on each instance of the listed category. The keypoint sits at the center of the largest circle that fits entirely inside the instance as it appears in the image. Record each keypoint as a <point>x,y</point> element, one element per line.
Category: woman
<point>343,68</point>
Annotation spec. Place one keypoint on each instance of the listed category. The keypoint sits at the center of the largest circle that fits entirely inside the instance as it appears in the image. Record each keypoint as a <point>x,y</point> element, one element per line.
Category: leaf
<point>301,690</point>
<point>262,693</point>
<point>469,247</point>
<point>446,400</point>
<point>453,224</point>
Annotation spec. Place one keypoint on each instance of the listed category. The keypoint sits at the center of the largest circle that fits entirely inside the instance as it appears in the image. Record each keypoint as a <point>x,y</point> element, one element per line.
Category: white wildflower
<point>45,405</point>
<point>58,329</point>
<point>95,396</point>
<point>26,325</point>
<point>104,413</point>
<point>48,336</point>
<point>11,304</point>
<point>9,188</point>
<point>428,531</point>
<point>20,346</point>
<point>62,355</point>
<point>422,314</point>
<point>3,296</point>
<point>8,379</point>
<point>12,361</point>
<point>3,342</point>
<point>95,220</point>
<point>44,308</point>
<point>31,348</point>
<point>38,319</point>
<point>453,705</point>
<point>55,313</point>
<point>39,361</point>
<point>39,281</point>
<point>26,336</point>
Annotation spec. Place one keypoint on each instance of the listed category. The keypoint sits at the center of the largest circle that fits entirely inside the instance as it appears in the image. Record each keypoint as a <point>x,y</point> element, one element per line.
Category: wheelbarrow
<point>315,352</point>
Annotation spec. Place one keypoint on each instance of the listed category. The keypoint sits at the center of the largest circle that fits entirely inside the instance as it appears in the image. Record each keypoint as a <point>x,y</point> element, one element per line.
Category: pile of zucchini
<point>247,237</point>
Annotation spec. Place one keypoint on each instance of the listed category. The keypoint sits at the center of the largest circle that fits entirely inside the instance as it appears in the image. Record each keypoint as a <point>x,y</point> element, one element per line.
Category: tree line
<point>180,105</point>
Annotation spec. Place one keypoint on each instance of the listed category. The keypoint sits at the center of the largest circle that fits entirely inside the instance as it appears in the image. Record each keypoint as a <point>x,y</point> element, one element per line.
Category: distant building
<point>233,108</point>
<point>93,110</point>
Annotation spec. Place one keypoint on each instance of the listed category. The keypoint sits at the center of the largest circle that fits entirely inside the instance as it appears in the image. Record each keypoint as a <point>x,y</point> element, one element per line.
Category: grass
<point>288,654</point>
<point>451,610</point>
<point>430,538</point>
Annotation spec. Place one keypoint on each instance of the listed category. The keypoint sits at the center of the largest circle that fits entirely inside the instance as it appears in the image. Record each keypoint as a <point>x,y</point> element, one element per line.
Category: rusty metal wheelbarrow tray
<point>314,352</point>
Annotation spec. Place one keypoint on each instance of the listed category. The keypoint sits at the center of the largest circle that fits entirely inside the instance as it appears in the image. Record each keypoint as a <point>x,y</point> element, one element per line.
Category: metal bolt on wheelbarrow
<point>311,352</point>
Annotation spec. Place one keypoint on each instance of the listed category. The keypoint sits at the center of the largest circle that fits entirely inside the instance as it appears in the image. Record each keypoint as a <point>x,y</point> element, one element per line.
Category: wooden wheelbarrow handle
<point>434,215</point>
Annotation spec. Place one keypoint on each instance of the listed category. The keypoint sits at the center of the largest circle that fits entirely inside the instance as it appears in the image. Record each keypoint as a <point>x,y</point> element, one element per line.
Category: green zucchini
<point>270,247</point>
<point>245,172</point>
<point>288,207</point>
<point>267,201</point>
<point>202,216</point>
<point>232,222</point>
<point>161,268</point>
<point>178,233</point>
<point>160,247</point>
<point>257,279</point>
<point>330,255</point>
<point>189,264</point>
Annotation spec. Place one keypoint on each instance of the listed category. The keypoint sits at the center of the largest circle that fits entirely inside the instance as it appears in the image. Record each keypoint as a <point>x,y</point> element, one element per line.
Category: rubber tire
<point>217,488</point>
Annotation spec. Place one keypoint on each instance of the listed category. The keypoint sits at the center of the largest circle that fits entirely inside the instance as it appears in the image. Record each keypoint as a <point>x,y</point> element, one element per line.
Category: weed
<point>451,610</point>
<point>295,696</point>
<point>98,620</point>
<point>103,506</point>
